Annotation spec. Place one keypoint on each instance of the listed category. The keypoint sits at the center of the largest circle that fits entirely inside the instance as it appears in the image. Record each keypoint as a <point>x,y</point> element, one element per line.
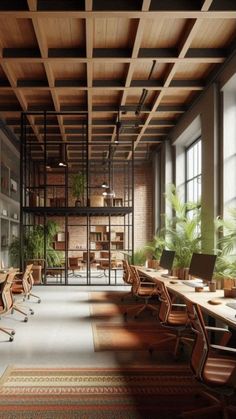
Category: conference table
<point>204,299</point>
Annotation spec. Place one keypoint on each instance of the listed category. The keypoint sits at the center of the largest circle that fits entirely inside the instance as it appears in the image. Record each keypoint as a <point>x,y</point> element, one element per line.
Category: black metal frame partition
<point>39,198</point>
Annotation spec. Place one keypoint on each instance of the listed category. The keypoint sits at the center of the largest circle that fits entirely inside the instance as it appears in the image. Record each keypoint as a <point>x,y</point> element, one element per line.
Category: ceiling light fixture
<point>104,185</point>
<point>62,164</point>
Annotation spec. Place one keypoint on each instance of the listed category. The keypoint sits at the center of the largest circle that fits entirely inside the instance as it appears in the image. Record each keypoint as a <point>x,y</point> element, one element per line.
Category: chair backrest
<point>73,262</point>
<point>27,278</point>
<point>166,304</point>
<point>6,295</point>
<point>91,256</point>
<point>201,344</point>
<point>104,254</point>
<point>135,279</point>
<point>127,277</point>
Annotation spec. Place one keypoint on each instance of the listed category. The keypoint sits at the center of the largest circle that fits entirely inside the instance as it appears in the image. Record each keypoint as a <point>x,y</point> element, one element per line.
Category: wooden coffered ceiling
<point>143,62</point>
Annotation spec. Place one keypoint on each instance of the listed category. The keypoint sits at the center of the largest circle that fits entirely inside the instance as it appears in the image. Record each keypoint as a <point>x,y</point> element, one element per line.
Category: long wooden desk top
<point>222,312</point>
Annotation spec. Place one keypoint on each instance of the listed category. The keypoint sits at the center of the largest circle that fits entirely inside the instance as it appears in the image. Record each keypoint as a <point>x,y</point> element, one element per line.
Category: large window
<point>194,171</point>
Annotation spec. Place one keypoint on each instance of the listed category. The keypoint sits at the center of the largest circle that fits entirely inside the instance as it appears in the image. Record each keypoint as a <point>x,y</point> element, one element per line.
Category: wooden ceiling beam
<point>36,86</point>
<point>152,14</point>
<point>183,47</point>
<point>42,43</point>
<point>20,97</point>
<point>121,54</point>
<point>195,58</point>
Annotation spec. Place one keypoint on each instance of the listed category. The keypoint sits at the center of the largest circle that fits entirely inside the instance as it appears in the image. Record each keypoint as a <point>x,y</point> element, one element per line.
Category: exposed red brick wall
<point>143,205</point>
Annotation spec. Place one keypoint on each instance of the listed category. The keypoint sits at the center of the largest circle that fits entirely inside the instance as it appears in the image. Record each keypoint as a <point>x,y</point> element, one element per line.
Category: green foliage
<point>78,184</point>
<point>154,248</point>
<point>139,257</point>
<point>34,245</point>
<point>226,245</point>
<point>182,229</point>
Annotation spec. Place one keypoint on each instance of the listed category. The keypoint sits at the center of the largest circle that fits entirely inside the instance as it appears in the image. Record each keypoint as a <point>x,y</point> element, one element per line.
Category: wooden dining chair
<point>214,365</point>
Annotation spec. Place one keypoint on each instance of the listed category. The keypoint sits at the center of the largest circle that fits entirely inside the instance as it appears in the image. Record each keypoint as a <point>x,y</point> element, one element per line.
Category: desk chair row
<point>15,282</point>
<point>212,365</point>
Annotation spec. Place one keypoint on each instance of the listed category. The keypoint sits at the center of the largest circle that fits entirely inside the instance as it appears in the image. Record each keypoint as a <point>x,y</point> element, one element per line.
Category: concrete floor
<point>60,333</point>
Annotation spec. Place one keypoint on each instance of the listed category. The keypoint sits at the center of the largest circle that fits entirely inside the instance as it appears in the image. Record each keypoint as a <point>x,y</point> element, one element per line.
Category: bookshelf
<point>9,198</point>
<point>105,238</point>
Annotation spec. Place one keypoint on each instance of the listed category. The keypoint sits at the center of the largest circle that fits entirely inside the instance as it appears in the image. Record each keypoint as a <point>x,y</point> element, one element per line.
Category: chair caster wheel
<point>39,301</point>
<point>25,319</point>
<point>11,339</point>
<point>13,333</point>
<point>31,312</point>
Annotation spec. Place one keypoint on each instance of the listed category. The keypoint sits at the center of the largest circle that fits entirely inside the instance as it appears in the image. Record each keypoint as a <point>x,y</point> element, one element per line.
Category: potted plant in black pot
<point>78,186</point>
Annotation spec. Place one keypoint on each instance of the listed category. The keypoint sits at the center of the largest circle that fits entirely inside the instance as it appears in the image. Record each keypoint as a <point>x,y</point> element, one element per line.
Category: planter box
<point>96,201</point>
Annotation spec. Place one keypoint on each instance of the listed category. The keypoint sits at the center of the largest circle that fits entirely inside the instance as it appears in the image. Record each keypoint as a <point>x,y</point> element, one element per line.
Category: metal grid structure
<point>47,168</point>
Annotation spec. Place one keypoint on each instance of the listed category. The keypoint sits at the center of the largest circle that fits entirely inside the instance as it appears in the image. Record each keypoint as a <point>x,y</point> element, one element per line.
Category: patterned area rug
<point>97,393</point>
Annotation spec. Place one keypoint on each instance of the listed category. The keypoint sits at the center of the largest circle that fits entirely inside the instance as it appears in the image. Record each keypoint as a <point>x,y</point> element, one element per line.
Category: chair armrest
<point>224,348</point>
<point>226,333</point>
<point>217,329</point>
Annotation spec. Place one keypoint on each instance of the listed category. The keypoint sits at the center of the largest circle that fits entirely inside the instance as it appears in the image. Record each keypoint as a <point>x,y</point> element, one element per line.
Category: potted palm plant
<point>78,186</point>
<point>225,270</point>
<point>182,230</point>
<point>34,240</point>
<point>154,249</point>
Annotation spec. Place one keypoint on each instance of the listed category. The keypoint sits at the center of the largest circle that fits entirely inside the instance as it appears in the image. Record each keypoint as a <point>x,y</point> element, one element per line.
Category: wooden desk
<point>220,311</point>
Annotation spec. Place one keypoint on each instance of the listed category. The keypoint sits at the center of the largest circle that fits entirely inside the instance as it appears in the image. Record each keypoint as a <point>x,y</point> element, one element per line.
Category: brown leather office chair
<point>172,316</point>
<point>74,265</point>
<point>141,291</point>
<point>89,256</point>
<point>212,365</point>
<point>23,283</point>
<point>6,303</point>
<point>127,278</point>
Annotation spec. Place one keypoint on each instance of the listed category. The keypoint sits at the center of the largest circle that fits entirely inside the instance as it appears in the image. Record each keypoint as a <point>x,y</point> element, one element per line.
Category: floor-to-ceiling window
<point>194,172</point>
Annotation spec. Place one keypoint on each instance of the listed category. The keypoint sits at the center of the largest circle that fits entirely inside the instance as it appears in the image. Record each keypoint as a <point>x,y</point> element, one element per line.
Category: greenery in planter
<point>154,248</point>
<point>34,245</point>
<point>78,186</point>
<point>226,246</point>
<point>139,257</point>
<point>182,231</point>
